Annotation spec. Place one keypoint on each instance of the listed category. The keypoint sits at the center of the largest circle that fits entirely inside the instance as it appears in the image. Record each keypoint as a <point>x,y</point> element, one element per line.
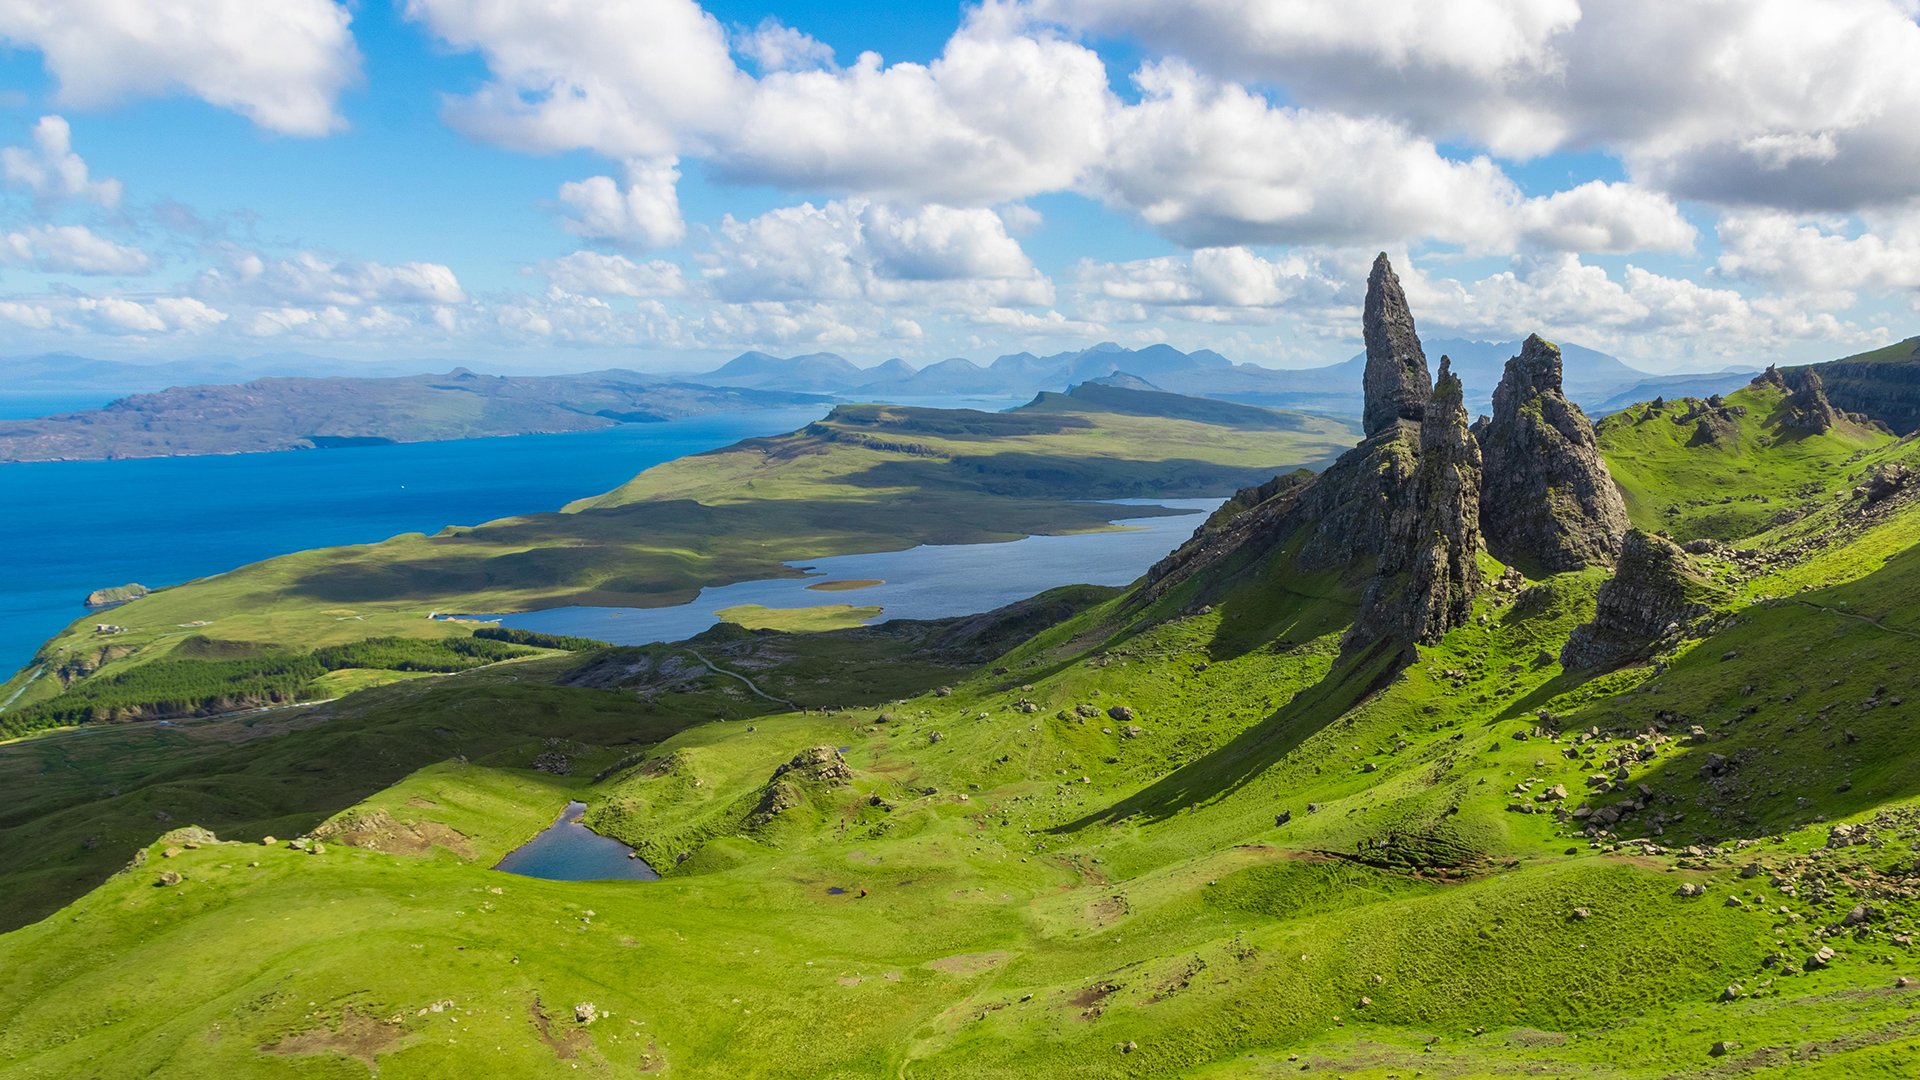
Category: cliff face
<point>1650,599</point>
<point>1396,381</point>
<point>1429,569</point>
<point>1548,503</point>
<point>1885,388</point>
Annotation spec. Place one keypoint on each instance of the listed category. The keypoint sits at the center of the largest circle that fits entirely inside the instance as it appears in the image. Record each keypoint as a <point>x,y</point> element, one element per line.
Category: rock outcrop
<point>119,594</point>
<point>1548,503</point>
<point>1429,569</point>
<point>1396,381</point>
<point>815,768</point>
<point>1655,593</point>
<point>1806,405</point>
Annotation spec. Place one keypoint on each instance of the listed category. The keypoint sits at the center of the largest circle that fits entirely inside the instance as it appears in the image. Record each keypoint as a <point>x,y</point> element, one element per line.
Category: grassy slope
<point>1047,892</point>
<point>879,478</point>
<point>1735,487</point>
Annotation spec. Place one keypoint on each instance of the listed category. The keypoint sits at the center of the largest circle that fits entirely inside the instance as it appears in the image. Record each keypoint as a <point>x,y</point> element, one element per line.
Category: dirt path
<point>37,672</point>
<point>751,685</point>
<point>1875,623</point>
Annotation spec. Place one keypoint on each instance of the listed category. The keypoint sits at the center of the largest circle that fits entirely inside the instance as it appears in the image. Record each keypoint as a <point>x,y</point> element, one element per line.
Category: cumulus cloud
<point>859,250</point>
<point>1211,280</point>
<point>774,46</point>
<point>590,272</point>
<point>1008,111</point>
<point>116,316</point>
<point>1824,257</point>
<point>328,322</point>
<point>280,63</point>
<point>644,214</point>
<point>1641,313</point>
<point>70,249</point>
<point>627,78</point>
<point>309,279</point>
<point>52,171</point>
<point>1212,164</point>
<point>1767,102</point>
<point>997,116</point>
<point>1606,217</point>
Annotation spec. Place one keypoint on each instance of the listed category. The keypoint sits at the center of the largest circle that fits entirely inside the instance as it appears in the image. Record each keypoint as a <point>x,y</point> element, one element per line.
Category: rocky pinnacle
<point>1429,570</point>
<point>1396,381</point>
<point>1548,503</point>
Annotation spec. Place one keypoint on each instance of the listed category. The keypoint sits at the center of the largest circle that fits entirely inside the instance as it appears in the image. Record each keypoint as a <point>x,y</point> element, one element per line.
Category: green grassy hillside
<point>1177,830</point>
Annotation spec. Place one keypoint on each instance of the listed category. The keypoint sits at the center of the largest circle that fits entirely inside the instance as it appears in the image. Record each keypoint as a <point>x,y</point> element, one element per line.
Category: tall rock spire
<point>1397,385</point>
<point>1548,503</point>
<point>1429,570</point>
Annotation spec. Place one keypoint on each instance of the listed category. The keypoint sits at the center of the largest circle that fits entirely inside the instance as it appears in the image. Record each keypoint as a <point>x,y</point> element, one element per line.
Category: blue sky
<point>660,184</point>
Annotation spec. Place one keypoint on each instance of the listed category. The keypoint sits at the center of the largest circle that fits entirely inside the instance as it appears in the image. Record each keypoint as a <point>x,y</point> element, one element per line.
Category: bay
<point>70,527</point>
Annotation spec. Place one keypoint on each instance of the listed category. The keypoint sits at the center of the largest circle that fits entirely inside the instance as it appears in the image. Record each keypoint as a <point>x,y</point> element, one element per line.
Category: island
<point>340,413</point>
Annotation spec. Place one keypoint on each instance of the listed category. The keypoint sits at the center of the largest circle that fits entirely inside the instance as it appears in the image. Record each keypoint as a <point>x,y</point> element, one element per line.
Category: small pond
<point>569,851</point>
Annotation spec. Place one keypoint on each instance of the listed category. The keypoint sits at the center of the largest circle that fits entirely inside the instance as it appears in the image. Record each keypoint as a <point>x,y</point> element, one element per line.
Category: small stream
<point>569,851</point>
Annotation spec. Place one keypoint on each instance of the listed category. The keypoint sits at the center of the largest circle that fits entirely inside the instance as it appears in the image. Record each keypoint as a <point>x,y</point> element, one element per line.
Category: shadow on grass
<point>1254,750</point>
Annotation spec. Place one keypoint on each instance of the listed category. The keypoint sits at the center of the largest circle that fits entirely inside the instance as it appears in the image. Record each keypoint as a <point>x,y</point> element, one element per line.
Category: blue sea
<point>68,528</point>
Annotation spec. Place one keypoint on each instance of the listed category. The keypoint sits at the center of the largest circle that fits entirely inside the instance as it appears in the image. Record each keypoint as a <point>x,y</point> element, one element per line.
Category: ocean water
<point>932,581</point>
<point>19,406</point>
<point>68,528</point>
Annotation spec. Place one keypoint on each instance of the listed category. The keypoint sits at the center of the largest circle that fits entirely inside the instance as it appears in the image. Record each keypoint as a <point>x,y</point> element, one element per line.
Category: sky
<point>660,184</point>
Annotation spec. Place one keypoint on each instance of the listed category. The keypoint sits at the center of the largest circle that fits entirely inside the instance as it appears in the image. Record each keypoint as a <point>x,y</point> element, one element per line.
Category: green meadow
<point>1104,833</point>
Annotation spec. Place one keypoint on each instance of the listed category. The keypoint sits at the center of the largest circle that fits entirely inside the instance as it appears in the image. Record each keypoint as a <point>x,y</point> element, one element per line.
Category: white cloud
<point>1606,217</point>
<point>1009,111</point>
<point>998,115</point>
<point>593,273</point>
<point>306,279</point>
<point>329,322</point>
<point>1214,279</point>
<point>774,46</point>
<point>856,250</point>
<point>70,249</point>
<point>644,215</point>
<point>1640,314</point>
<point>52,171</point>
<point>1770,102</point>
<point>1214,164</point>
<point>626,78</point>
<point>1822,257</point>
<point>280,63</point>
<point>114,316</point>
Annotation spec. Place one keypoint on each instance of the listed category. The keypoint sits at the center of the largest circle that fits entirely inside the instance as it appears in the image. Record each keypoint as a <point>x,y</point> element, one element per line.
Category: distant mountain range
<point>292,407</point>
<point>299,413</point>
<point>1597,381</point>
